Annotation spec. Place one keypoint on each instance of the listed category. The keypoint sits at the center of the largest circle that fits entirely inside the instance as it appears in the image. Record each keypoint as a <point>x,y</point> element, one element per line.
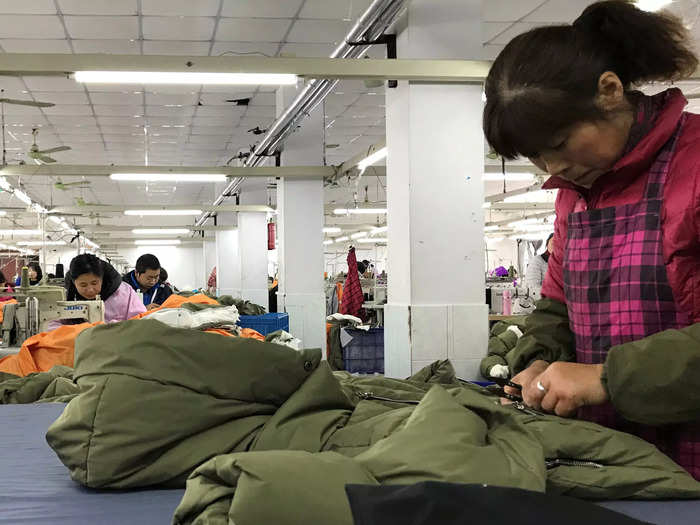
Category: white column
<point>228,265</point>
<point>436,283</point>
<point>252,238</point>
<point>300,223</point>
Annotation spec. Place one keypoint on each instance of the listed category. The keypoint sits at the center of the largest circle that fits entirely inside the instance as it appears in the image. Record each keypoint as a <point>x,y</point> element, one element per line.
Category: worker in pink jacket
<point>89,277</point>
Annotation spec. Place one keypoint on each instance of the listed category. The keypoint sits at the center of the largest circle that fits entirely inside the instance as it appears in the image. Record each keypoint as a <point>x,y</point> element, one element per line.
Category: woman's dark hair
<point>86,263</point>
<point>163,276</point>
<point>546,79</point>
<point>35,266</point>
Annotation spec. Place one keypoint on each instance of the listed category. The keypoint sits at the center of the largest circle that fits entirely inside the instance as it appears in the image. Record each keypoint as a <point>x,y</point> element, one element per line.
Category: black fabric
<point>59,271</point>
<point>545,256</point>
<point>111,281</point>
<point>433,503</point>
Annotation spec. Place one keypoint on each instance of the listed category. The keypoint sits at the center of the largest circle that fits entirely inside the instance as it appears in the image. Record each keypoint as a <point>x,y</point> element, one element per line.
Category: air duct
<point>373,23</point>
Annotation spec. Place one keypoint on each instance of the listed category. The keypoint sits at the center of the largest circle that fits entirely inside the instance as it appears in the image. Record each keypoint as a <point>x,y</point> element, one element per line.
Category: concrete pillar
<point>228,264</point>
<point>436,306</point>
<point>300,222</point>
<point>252,238</point>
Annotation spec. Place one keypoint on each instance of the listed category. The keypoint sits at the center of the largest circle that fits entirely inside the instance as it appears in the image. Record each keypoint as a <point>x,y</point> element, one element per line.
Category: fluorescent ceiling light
<point>331,230</point>
<point>373,240</point>
<point>5,185</point>
<point>486,205</point>
<point>490,228</point>
<point>380,229</point>
<point>342,239</point>
<point>527,237</point>
<point>494,239</point>
<point>543,196</point>
<point>41,243</point>
<point>159,231</point>
<point>157,242</point>
<point>498,177</point>
<point>358,235</point>
<point>652,5</point>
<point>360,211</point>
<point>56,219</point>
<point>168,77</point>
<point>523,222</point>
<point>537,227</point>
<point>20,232</point>
<point>372,159</point>
<point>163,212</point>
<point>23,197</point>
<point>169,177</point>
<point>2,213</point>
<point>326,243</point>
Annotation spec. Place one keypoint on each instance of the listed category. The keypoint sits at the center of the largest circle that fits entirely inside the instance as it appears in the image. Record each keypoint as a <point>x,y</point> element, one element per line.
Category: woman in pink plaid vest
<point>616,337</point>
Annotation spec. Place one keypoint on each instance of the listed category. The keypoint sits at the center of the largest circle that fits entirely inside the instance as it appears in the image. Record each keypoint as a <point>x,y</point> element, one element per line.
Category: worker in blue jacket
<point>146,279</point>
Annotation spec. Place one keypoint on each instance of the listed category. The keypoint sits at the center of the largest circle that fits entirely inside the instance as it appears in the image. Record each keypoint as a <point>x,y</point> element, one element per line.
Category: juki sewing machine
<point>38,305</point>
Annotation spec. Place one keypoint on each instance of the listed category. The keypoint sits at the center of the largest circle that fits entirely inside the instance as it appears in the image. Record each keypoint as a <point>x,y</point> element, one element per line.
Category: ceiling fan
<point>41,156</point>
<point>65,186</point>
<point>3,101</point>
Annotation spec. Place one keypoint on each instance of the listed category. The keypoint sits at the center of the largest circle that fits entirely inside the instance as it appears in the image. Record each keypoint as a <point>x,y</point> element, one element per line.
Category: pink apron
<point>617,291</point>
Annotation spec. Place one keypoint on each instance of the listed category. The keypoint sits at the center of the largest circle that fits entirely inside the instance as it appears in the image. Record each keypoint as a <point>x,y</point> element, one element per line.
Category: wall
<point>185,265</point>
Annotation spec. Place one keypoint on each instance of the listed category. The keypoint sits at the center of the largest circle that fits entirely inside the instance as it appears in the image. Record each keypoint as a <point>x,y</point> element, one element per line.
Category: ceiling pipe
<point>373,23</point>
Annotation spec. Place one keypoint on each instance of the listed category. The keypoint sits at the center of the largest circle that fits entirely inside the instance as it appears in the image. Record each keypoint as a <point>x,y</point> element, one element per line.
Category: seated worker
<point>35,274</point>
<point>146,278</point>
<point>89,276</point>
<point>164,281</point>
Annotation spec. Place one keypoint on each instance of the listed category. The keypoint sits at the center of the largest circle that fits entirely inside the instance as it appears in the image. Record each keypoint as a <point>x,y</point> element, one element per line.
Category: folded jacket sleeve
<point>547,336</point>
<point>656,380</point>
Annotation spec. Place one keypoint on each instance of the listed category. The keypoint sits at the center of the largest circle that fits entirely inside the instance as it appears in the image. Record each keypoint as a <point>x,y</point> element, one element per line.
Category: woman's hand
<point>567,387</point>
<point>528,380</point>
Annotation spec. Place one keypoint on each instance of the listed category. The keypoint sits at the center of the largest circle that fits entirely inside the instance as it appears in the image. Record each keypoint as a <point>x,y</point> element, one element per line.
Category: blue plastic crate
<point>365,353</point>
<point>266,323</point>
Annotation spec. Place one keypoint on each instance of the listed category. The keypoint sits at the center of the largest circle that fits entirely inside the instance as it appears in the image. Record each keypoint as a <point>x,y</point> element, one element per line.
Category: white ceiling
<point>196,126</point>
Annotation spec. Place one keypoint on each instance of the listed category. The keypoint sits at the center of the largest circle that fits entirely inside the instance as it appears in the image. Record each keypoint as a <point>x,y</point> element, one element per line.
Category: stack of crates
<point>365,353</point>
<point>266,323</point>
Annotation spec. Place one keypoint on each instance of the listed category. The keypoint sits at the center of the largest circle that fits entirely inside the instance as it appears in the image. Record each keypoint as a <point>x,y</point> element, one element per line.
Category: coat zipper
<point>565,462</point>
<point>370,395</point>
<point>519,405</point>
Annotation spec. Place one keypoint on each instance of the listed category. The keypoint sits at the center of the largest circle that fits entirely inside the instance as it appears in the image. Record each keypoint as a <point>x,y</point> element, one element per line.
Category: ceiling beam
<point>86,210</point>
<point>342,68</point>
<point>109,241</point>
<point>100,228</point>
<point>520,206</point>
<point>540,215</point>
<point>499,197</point>
<point>86,170</point>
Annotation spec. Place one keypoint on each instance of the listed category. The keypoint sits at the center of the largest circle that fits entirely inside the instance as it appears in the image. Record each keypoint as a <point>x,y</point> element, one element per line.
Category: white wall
<point>185,265</point>
<point>502,253</point>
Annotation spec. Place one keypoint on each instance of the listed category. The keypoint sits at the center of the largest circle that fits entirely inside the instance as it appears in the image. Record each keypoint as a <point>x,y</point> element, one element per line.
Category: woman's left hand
<point>569,386</point>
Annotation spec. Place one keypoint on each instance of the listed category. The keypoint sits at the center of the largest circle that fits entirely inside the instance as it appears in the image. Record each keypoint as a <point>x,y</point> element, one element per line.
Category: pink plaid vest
<point>617,291</point>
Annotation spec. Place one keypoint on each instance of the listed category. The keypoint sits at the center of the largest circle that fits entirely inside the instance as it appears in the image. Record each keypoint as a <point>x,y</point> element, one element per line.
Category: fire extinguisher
<point>270,235</point>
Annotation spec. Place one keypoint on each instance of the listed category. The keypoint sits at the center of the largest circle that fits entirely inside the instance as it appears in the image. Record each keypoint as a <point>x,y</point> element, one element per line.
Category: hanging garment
<point>352,291</point>
<point>617,291</point>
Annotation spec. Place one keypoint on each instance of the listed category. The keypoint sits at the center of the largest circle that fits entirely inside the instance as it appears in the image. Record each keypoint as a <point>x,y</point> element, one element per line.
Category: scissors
<point>499,390</point>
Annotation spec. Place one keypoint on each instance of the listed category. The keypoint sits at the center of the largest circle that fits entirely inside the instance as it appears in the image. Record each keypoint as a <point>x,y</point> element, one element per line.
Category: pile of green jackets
<point>260,433</point>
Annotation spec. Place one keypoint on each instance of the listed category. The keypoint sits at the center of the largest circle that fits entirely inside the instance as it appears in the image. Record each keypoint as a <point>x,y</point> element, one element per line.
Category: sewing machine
<point>37,306</point>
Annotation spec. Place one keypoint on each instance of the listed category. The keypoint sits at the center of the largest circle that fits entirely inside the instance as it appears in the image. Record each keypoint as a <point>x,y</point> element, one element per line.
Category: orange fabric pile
<point>45,350</point>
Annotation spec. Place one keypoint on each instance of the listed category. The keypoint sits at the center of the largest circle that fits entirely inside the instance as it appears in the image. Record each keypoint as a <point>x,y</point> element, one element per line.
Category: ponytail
<point>640,46</point>
<point>546,80</point>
